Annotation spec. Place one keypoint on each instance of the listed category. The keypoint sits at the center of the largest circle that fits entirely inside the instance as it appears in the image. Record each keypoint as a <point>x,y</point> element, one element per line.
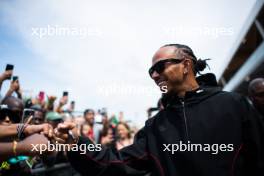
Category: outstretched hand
<point>44,128</point>
<point>66,133</point>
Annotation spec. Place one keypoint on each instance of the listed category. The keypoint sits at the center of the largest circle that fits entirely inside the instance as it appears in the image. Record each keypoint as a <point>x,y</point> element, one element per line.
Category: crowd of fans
<point>26,121</point>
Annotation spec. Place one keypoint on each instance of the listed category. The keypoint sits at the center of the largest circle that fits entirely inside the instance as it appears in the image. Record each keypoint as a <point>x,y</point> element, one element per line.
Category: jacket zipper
<point>185,120</point>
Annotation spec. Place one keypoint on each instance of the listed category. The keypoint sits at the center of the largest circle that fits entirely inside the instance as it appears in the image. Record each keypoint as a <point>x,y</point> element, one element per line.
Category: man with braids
<point>201,131</point>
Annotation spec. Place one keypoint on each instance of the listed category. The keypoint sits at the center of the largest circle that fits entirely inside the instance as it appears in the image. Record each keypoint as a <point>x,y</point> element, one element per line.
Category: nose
<point>155,75</point>
<point>7,120</point>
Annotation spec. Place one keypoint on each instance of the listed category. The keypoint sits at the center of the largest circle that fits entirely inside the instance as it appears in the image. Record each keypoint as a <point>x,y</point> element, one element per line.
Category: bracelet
<point>23,129</point>
<point>14,147</point>
<point>20,130</point>
<point>19,126</point>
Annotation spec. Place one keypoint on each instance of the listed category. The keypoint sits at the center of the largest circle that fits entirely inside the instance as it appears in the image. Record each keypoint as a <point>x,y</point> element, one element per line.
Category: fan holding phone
<point>63,101</point>
<point>7,74</point>
<point>14,87</point>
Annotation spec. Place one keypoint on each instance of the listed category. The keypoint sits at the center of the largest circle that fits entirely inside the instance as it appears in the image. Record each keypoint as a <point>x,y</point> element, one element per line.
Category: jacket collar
<point>208,87</point>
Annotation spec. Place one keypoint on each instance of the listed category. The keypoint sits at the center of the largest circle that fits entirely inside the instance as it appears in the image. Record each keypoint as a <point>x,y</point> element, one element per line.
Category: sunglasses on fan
<point>13,115</point>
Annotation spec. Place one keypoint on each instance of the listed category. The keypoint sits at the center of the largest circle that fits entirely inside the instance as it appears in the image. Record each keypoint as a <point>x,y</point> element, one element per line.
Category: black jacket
<point>206,116</point>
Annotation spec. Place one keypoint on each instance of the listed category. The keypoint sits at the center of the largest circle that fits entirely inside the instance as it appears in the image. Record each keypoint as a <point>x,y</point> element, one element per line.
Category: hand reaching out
<point>66,133</point>
<point>45,129</point>
<point>107,139</point>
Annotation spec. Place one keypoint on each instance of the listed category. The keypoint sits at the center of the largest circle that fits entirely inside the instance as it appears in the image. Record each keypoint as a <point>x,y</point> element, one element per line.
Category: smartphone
<point>9,67</point>
<point>15,78</point>
<point>72,105</point>
<point>27,113</point>
<point>41,96</point>
<point>65,94</point>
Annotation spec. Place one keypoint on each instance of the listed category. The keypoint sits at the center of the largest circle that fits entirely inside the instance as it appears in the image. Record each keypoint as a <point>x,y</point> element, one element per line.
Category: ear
<point>187,65</point>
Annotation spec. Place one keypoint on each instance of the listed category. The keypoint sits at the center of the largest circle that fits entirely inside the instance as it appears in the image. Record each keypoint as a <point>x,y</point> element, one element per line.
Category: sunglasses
<point>160,65</point>
<point>14,116</point>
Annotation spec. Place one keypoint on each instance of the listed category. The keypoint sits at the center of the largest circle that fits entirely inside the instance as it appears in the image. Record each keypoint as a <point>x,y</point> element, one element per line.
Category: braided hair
<point>184,51</point>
